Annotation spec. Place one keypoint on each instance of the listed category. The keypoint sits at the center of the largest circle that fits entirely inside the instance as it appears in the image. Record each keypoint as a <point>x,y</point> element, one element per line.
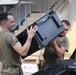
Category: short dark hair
<point>3,16</point>
<point>66,22</point>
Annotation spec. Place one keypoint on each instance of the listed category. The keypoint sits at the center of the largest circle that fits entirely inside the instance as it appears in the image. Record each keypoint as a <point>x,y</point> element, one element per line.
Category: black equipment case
<point>66,67</point>
<point>49,27</point>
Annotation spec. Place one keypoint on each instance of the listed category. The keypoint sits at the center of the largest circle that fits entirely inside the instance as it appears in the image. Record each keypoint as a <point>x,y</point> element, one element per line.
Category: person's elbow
<point>61,52</point>
<point>19,49</point>
<point>23,53</point>
<point>60,55</point>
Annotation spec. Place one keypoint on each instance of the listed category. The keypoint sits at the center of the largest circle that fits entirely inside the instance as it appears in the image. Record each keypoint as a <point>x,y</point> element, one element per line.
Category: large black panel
<point>49,27</point>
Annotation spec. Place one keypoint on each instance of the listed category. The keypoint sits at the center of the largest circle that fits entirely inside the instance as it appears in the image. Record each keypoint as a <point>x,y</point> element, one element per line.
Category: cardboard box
<point>30,65</point>
<point>29,68</point>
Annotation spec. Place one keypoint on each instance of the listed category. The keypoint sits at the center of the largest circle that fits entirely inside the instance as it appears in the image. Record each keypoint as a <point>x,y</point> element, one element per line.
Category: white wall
<point>70,12</point>
<point>8,2</point>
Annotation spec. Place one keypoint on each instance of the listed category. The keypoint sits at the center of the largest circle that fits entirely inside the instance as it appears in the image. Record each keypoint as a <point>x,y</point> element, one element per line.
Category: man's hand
<point>53,42</point>
<point>31,32</point>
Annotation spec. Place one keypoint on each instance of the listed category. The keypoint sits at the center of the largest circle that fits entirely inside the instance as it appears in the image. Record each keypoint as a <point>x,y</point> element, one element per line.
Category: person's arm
<point>59,50</point>
<point>23,50</point>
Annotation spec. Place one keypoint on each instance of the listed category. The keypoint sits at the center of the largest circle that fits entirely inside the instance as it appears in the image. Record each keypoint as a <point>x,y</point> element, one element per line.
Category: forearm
<point>59,50</point>
<point>23,50</point>
<point>26,47</point>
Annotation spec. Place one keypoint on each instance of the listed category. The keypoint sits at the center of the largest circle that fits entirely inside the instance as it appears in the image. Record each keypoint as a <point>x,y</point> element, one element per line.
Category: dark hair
<point>66,22</point>
<point>3,16</point>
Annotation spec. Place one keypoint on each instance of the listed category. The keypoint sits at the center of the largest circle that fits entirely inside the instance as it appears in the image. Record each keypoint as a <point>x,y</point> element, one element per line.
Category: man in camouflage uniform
<point>54,51</point>
<point>10,47</point>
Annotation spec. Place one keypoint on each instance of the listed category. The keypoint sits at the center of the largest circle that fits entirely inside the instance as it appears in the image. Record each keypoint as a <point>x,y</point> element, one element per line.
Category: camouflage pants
<point>11,70</point>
